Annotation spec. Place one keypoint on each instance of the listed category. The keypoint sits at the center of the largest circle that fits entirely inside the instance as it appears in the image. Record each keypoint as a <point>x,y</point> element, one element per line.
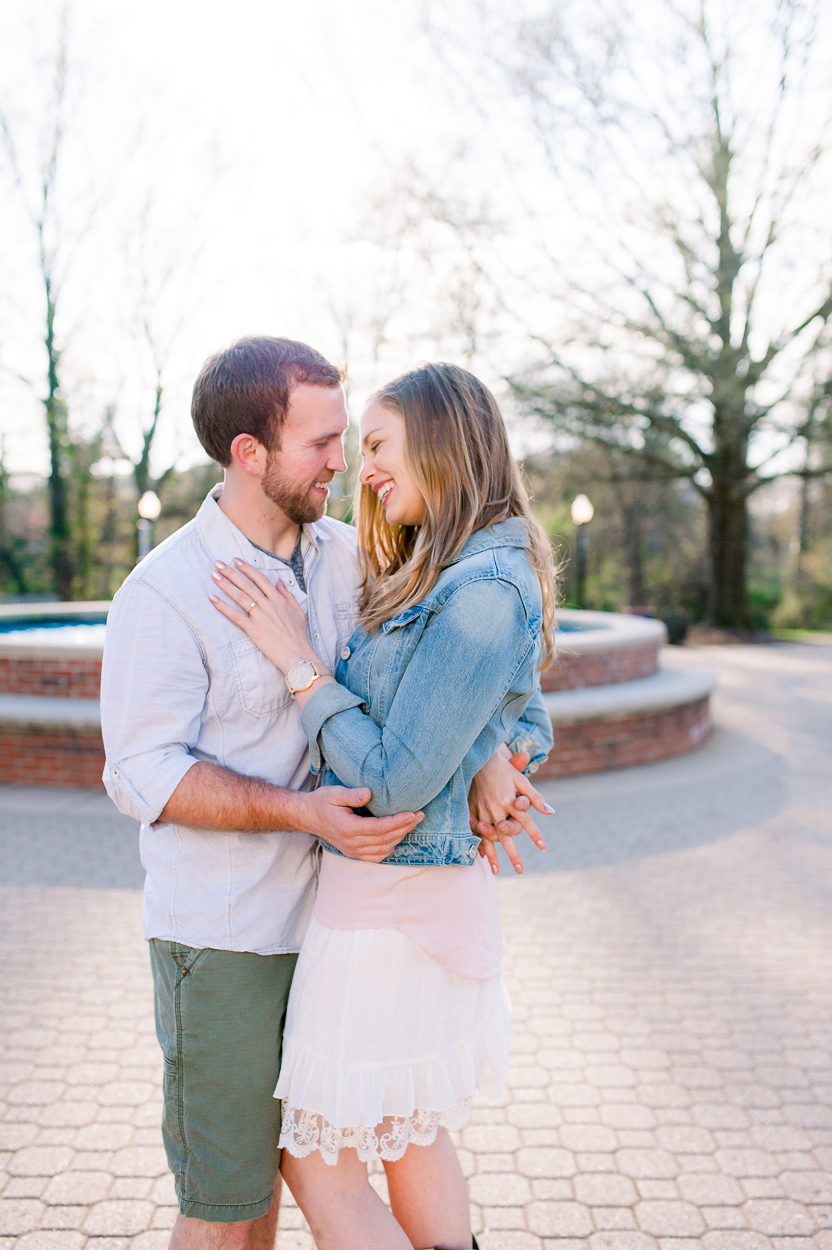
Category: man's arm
<point>154,683</point>
<point>209,797</point>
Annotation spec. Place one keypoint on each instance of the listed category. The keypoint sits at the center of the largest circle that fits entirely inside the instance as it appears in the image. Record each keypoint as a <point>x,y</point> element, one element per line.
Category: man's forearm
<point>209,797</point>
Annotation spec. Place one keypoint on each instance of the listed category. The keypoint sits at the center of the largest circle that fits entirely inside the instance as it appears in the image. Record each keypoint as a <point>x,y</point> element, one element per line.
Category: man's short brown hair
<point>246,388</point>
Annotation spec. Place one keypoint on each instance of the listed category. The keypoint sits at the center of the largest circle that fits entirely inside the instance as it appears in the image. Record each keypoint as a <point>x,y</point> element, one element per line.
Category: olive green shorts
<point>219,1020</point>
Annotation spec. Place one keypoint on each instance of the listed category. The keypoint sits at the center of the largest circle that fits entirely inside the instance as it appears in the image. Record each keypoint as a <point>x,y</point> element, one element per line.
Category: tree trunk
<point>59,535</point>
<point>728,549</point>
<point>60,538</point>
<point>635,562</point>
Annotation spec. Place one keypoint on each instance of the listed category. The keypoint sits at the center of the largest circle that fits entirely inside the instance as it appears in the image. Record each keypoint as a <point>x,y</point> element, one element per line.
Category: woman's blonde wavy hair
<point>458,453</point>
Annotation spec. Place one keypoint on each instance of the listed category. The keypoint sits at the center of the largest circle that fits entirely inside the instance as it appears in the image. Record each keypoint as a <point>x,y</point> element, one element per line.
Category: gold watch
<point>304,674</point>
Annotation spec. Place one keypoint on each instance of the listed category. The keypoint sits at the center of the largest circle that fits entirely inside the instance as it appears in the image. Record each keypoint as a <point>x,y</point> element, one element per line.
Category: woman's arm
<point>275,622</point>
<point>533,731</point>
<point>461,669</point>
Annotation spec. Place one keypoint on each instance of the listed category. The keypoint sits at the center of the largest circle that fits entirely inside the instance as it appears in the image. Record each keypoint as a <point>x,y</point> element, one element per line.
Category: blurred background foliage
<point>618,218</point>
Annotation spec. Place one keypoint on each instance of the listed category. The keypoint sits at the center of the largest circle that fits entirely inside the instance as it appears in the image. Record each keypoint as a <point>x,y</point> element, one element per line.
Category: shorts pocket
<point>262,689</point>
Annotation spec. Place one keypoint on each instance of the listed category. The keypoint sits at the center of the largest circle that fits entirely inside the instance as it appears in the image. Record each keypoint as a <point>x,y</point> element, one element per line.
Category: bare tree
<point>667,254</point>
<point>37,191</point>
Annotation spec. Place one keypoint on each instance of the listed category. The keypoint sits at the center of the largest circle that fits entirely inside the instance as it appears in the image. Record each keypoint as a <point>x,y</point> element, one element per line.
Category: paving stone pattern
<point>669,964</point>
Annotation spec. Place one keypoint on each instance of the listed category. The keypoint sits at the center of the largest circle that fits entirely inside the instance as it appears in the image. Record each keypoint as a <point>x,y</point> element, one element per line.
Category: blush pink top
<point>451,911</point>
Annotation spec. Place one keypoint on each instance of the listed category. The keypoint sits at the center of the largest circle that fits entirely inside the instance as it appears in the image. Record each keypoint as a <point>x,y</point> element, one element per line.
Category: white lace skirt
<point>383,1044</point>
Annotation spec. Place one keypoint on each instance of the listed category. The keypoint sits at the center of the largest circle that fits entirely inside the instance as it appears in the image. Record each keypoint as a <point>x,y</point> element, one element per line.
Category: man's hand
<point>371,838</point>
<point>499,801</point>
<point>209,797</point>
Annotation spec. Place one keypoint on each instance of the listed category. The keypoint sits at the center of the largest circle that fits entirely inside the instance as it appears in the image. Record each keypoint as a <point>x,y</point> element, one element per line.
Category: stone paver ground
<point>669,963</point>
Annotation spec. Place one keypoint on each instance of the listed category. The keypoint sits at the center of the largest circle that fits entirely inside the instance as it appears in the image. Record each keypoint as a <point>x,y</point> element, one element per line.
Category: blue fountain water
<point>60,631</point>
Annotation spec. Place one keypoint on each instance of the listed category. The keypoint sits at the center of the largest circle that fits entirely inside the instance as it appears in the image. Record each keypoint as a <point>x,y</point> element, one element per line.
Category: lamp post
<point>149,507</point>
<point>582,513</point>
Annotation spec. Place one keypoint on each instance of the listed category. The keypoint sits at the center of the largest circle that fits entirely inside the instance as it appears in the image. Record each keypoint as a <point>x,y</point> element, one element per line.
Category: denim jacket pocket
<point>262,690</point>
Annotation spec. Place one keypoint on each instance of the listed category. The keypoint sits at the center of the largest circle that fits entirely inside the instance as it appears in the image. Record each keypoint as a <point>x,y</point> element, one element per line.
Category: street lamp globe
<point>149,506</point>
<point>582,510</point>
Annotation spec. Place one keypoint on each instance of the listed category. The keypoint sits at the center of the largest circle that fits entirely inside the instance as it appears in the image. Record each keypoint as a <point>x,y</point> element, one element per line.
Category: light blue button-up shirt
<point>180,684</point>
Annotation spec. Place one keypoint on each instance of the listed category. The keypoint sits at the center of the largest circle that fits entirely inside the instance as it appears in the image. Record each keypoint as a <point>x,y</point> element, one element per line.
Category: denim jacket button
<point>345,653</point>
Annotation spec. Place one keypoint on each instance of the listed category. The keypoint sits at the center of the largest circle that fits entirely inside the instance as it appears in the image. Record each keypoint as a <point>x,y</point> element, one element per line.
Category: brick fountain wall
<point>39,744</point>
<point>611,706</point>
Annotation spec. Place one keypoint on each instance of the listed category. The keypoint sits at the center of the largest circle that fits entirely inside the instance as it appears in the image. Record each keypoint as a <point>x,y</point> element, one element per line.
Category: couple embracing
<point>323,731</point>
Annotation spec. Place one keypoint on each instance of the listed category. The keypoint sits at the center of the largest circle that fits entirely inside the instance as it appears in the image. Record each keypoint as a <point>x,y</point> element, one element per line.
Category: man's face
<point>299,471</point>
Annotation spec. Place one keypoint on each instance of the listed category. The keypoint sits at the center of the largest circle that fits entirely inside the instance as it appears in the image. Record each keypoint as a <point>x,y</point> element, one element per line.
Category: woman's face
<point>385,466</point>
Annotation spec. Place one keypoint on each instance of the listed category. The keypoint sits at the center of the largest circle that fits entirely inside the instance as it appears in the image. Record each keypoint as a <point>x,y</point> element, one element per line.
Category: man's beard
<point>291,497</point>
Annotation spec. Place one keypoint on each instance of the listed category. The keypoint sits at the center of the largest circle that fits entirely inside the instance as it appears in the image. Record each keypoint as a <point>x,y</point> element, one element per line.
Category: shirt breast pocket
<point>262,689</point>
<point>346,620</point>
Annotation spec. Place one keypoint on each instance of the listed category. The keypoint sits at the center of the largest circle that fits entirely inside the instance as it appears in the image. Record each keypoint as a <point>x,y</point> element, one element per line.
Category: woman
<point>397,1010</point>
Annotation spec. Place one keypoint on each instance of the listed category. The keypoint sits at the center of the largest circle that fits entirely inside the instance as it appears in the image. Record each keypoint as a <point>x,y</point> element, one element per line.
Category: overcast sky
<point>256,133</point>
<point>228,159</point>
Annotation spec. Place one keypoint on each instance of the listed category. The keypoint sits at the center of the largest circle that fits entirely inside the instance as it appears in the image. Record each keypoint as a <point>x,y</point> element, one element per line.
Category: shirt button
<point>345,653</point>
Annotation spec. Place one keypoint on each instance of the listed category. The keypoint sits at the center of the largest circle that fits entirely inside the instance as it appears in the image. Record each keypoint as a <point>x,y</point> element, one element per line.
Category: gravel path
<point>669,963</point>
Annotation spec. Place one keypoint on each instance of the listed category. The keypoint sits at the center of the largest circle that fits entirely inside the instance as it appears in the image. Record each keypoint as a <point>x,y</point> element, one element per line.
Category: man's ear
<point>249,454</point>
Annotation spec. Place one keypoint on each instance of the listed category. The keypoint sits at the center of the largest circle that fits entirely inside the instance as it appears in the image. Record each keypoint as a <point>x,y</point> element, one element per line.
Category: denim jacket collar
<point>511,533</point>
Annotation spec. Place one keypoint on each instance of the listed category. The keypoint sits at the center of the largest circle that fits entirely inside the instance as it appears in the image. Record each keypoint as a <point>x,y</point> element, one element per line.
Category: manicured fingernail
<point>238,561</point>
<point>216,577</point>
<point>220,564</point>
<point>550,811</point>
<point>213,598</point>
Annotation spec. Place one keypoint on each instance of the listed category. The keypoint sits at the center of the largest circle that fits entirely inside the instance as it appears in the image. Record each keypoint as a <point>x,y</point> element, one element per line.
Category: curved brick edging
<point>44,668</point>
<point>50,741</point>
<point>610,706</point>
<point>576,670</point>
<point>610,647</point>
<point>635,722</point>
<point>42,756</point>
<point>593,746</point>
<point>56,676</point>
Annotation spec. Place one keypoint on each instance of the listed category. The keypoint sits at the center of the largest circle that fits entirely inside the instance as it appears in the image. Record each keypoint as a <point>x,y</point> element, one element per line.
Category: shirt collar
<point>225,540</point>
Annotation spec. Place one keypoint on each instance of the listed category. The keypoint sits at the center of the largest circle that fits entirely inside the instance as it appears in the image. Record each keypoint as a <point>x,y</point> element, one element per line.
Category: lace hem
<point>302,1132</point>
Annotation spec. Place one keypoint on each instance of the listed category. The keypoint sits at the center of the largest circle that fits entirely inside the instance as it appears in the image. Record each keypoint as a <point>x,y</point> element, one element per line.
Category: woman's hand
<point>499,801</point>
<point>270,615</point>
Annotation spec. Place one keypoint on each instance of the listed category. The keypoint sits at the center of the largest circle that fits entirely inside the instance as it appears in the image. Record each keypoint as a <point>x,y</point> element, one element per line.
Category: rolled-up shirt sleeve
<point>154,683</point>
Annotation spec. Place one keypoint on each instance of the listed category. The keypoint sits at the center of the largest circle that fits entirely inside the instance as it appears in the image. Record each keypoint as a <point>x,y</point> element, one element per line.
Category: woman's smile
<point>384,447</point>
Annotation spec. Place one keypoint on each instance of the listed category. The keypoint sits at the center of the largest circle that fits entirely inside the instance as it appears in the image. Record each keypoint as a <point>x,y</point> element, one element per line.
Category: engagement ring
<point>251,607</point>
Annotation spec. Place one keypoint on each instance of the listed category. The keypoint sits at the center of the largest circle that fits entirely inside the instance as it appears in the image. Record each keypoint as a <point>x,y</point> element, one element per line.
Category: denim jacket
<point>424,702</point>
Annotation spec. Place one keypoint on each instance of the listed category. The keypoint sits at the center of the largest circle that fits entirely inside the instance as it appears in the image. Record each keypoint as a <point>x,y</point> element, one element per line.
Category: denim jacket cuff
<point>327,701</point>
<point>525,742</point>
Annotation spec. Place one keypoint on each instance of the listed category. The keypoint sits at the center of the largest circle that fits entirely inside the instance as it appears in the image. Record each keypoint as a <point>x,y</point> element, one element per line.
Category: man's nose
<point>337,463</point>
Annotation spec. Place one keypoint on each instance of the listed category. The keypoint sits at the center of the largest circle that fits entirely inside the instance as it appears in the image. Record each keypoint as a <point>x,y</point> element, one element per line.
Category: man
<point>205,747</point>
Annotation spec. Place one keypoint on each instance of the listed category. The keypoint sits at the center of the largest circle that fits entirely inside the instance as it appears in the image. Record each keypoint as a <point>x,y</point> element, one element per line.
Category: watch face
<point>300,675</point>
